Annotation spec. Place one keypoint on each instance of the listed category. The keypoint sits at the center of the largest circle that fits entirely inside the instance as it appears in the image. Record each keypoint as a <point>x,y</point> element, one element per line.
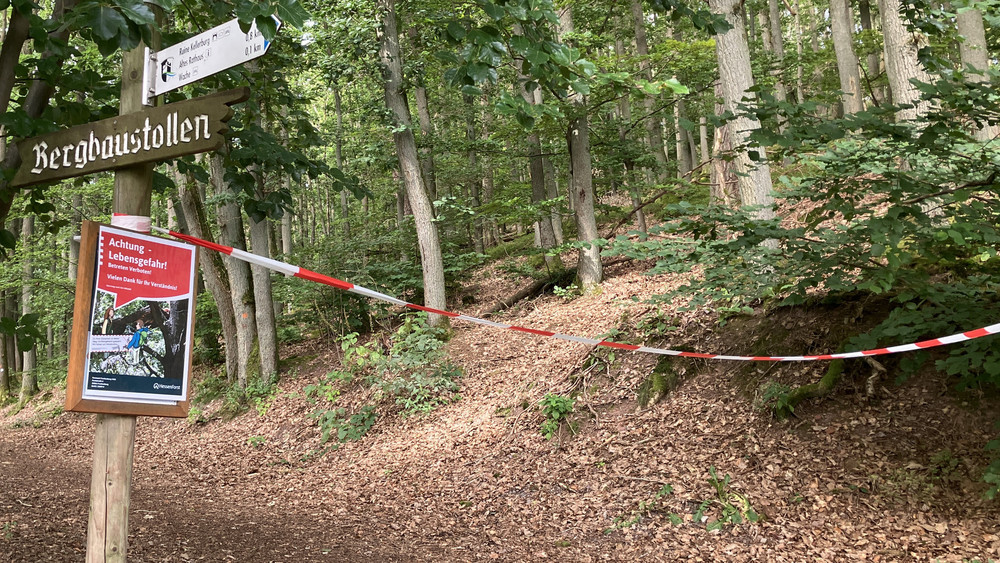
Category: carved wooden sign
<point>156,134</point>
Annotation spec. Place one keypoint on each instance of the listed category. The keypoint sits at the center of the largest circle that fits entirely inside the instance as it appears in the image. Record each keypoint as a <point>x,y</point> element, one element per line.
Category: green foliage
<point>992,473</point>
<point>209,387</point>
<point>208,331</point>
<point>414,372</point>
<point>348,428</point>
<point>556,409</point>
<point>657,324</point>
<point>897,209</point>
<point>567,293</point>
<point>417,371</point>
<point>644,509</point>
<point>256,442</point>
<point>260,394</point>
<point>734,508</point>
<point>774,398</point>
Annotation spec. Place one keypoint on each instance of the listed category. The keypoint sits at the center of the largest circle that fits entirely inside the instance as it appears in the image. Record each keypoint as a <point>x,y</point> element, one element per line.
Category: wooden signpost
<point>130,144</point>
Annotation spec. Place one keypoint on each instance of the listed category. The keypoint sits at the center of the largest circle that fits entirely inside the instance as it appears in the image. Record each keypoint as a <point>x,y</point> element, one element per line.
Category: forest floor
<point>889,475</point>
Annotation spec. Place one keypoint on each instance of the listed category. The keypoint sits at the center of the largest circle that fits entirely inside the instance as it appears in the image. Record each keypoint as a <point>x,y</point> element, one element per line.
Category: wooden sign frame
<point>82,314</point>
<point>155,134</point>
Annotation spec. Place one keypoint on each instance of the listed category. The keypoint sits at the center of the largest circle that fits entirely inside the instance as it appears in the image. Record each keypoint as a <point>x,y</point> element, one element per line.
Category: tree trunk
<point>544,235</point>
<point>552,191</point>
<point>491,235</point>
<point>267,333</point>
<point>431,260</point>
<point>684,164</point>
<point>427,140</point>
<point>874,68</point>
<point>725,185</point>
<point>589,268</point>
<point>344,207</point>
<point>474,181</point>
<point>778,50</point>
<point>6,366</point>
<point>11,309</point>
<point>10,53</point>
<point>841,23</point>
<point>29,378</point>
<point>37,98</point>
<point>213,270</point>
<point>231,233</point>
<point>799,88</point>
<point>735,80</point>
<point>625,115</point>
<point>975,58</point>
<point>901,62</point>
<point>703,140</point>
<point>654,135</point>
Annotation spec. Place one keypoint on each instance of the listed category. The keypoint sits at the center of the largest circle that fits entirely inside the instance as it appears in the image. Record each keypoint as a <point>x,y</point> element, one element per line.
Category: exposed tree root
<point>821,388</point>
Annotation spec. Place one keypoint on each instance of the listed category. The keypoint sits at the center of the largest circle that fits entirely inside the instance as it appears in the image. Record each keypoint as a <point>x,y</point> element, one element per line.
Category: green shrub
<point>556,409</point>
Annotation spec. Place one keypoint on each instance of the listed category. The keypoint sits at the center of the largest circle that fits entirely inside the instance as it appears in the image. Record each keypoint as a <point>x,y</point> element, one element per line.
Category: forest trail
<point>893,479</point>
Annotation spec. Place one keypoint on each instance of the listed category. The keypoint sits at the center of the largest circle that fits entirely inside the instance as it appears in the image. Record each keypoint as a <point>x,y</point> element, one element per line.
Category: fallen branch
<point>532,290</point>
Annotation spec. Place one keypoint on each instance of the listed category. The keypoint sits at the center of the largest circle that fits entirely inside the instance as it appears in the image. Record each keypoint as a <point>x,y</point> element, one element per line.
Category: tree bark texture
<point>267,333</point>
<point>431,260</point>
<point>544,233</point>
<point>841,23</point>
<point>589,268</point>
<point>901,62</point>
<point>552,190</point>
<point>735,79</point>
<point>29,378</point>
<point>654,135</point>
<point>213,270</point>
<point>975,57</point>
<point>231,233</point>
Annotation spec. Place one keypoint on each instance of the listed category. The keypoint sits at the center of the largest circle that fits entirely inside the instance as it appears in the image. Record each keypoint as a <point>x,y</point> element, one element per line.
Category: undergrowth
<point>410,374</point>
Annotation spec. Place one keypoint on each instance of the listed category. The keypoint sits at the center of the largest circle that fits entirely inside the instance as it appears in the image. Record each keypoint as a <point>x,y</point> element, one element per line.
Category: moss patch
<point>659,384</point>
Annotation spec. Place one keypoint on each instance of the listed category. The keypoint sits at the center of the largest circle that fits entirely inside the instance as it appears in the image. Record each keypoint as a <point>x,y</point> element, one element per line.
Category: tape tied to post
<point>138,223</point>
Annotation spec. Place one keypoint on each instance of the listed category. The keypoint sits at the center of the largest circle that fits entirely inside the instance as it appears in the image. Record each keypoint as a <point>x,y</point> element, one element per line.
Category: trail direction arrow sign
<point>205,54</point>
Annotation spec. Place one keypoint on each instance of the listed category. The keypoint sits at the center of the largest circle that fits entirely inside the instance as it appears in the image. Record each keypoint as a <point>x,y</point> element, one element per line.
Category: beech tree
<point>842,23</point>
<point>431,260</point>
<point>735,83</point>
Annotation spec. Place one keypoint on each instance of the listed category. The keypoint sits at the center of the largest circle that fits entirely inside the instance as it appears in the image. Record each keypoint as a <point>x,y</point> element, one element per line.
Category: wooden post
<point>114,443</point>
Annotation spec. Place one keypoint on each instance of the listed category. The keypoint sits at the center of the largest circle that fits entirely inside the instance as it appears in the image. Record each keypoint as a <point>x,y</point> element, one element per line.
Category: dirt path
<point>44,493</point>
<point>892,478</point>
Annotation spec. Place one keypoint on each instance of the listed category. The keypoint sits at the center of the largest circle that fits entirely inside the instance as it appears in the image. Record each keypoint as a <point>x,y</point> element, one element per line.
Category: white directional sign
<point>205,54</point>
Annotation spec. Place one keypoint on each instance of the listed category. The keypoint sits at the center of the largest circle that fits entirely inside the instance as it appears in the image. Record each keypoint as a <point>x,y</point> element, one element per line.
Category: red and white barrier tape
<point>305,274</point>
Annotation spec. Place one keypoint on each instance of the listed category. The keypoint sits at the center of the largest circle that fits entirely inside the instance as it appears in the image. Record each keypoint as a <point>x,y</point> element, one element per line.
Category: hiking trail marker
<point>203,55</point>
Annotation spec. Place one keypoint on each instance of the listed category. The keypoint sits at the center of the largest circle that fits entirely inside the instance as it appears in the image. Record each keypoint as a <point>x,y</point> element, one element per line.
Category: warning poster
<point>141,319</point>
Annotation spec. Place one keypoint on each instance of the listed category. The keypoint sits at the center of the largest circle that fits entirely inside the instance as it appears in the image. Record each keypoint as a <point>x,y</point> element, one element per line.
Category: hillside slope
<point>892,477</point>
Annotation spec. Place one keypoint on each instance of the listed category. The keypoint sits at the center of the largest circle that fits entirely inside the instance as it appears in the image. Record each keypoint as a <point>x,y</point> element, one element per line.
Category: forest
<point>760,178</point>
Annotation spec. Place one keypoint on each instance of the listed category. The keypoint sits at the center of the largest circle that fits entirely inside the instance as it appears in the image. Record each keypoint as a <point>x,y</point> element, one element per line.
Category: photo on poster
<point>141,319</point>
